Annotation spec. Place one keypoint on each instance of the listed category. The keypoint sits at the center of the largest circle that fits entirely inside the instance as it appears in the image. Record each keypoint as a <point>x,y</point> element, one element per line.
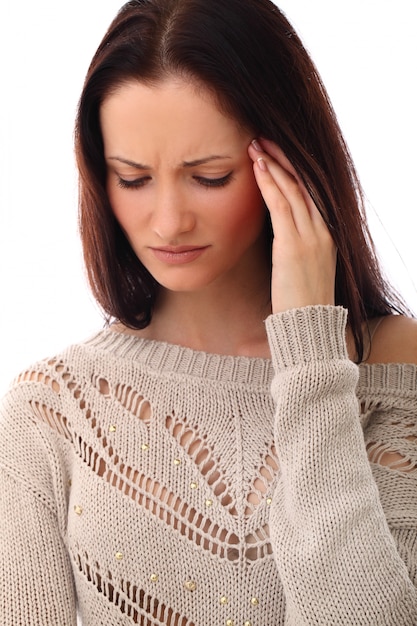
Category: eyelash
<point>204,182</point>
<point>132,184</point>
<point>214,182</point>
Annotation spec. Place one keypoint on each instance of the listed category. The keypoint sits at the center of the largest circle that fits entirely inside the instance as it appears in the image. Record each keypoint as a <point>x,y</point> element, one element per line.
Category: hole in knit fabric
<point>143,608</point>
<point>39,377</point>
<point>128,397</point>
<point>263,480</point>
<point>201,453</point>
<point>383,454</point>
<point>390,444</point>
<point>55,420</point>
<point>258,544</point>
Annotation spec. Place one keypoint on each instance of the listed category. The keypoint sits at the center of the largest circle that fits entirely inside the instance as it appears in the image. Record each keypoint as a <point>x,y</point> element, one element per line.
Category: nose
<point>171,215</point>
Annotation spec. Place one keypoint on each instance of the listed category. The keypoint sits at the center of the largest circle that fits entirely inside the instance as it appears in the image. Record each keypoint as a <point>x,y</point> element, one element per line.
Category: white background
<point>366,52</point>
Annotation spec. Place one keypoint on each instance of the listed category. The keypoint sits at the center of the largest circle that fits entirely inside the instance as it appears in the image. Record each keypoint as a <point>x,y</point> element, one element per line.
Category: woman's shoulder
<point>393,340</point>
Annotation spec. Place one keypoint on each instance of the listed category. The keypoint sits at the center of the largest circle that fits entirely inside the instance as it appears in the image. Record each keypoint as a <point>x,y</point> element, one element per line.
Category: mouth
<point>178,254</point>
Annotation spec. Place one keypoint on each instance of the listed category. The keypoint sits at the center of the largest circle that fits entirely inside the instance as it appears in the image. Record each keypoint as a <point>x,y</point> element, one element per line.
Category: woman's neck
<point>215,319</point>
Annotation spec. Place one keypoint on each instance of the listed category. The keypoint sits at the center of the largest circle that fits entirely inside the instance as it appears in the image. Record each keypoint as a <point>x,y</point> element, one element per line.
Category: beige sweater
<point>150,484</point>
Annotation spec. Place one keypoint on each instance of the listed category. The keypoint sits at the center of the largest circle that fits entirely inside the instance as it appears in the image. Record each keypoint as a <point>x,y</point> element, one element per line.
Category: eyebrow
<point>141,166</point>
<point>204,160</point>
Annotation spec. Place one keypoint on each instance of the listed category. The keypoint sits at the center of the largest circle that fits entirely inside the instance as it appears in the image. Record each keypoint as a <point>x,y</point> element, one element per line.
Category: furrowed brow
<point>137,166</point>
<point>204,160</point>
<point>195,163</point>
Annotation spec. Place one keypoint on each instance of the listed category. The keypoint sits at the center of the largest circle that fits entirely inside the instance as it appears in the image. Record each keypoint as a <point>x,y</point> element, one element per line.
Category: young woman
<point>238,446</point>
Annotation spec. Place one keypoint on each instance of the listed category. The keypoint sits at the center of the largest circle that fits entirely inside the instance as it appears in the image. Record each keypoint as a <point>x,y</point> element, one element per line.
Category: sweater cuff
<point>308,334</point>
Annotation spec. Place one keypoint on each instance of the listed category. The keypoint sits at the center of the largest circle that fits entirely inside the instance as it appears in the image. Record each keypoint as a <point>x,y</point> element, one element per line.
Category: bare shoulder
<point>394,340</point>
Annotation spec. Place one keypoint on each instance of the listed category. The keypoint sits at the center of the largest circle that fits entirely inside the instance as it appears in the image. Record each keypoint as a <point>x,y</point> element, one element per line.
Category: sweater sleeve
<point>337,559</point>
<point>36,582</point>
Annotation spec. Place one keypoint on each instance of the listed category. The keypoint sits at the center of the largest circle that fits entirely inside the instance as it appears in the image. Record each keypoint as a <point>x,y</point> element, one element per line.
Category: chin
<point>182,286</point>
<point>183,283</point>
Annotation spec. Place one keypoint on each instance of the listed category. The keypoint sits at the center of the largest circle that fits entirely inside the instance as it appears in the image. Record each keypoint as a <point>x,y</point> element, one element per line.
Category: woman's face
<point>181,184</point>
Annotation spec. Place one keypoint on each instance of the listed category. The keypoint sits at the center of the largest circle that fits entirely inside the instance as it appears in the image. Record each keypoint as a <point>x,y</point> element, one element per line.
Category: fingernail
<point>256,145</point>
<point>262,165</point>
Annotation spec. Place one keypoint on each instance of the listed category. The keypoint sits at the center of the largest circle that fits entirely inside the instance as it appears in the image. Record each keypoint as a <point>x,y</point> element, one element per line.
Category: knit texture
<point>147,483</point>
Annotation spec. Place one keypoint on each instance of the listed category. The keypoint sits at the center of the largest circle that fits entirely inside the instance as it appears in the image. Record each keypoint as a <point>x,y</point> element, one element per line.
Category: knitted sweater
<point>147,483</point>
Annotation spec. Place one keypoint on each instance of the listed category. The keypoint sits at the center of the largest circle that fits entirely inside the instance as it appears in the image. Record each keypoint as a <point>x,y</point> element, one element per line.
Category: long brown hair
<point>249,56</point>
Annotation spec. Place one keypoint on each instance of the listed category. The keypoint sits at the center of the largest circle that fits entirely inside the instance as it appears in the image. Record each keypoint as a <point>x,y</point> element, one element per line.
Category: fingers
<point>276,153</point>
<point>303,251</point>
<point>283,188</point>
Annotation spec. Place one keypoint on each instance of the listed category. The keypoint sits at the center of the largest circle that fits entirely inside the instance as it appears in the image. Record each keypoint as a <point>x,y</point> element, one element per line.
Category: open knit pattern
<point>147,483</point>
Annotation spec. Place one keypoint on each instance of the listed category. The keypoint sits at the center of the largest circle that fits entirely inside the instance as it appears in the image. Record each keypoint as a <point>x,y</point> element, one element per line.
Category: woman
<point>229,450</point>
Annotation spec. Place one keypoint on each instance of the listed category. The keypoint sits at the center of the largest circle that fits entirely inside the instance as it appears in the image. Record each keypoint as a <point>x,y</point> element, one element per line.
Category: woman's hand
<point>303,251</point>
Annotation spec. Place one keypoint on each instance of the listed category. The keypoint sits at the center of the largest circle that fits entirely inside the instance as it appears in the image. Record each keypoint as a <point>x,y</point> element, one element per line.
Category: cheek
<point>122,207</point>
<point>247,209</point>
<point>114,200</point>
<point>242,224</point>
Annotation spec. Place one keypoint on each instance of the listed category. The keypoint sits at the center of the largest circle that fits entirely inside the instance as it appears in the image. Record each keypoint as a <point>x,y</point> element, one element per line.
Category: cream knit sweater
<point>151,484</point>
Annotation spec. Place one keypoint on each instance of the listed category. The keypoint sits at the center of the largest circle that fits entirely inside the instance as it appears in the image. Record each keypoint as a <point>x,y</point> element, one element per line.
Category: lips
<point>178,255</point>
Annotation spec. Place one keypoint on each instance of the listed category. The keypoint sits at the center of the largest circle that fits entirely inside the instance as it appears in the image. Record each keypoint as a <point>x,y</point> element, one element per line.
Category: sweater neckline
<point>174,358</point>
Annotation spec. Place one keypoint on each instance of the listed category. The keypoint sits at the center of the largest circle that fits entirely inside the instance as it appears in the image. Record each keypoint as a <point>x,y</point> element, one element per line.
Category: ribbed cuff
<point>308,334</point>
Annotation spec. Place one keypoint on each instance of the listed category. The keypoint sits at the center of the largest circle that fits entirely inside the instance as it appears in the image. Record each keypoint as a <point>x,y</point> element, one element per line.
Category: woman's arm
<point>333,548</point>
<point>336,556</point>
<point>36,582</point>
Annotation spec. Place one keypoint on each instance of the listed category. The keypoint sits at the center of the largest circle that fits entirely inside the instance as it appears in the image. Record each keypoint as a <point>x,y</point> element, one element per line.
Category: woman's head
<point>248,56</point>
<point>186,199</point>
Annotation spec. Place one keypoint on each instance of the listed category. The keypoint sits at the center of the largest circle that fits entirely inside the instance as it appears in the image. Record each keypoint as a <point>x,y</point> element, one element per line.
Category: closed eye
<point>133,184</point>
<point>201,180</point>
<point>214,182</point>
